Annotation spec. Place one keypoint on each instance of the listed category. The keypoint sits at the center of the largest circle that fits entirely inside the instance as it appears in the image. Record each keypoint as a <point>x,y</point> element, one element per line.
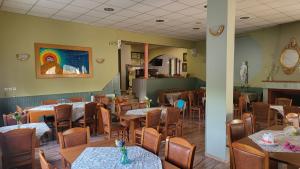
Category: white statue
<point>244,73</point>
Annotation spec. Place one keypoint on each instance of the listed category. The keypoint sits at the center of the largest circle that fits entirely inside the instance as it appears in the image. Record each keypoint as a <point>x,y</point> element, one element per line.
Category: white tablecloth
<point>279,136</point>
<point>109,158</point>
<point>144,111</point>
<point>172,97</point>
<point>41,128</point>
<point>77,113</point>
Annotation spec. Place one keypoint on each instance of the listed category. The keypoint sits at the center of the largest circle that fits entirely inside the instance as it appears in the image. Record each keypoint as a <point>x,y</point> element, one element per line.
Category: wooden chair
<point>283,101</point>
<point>109,127</point>
<point>151,140</point>
<point>18,148</point>
<point>247,157</point>
<point>44,163</point>
<point>62,117</point>
<point>142,105</point>
<point>263,115</point>
<point>240,108</point>
<point>172,126</point>
<point>179,152</point>
<point>152,121</point>
<point>194,107</point>
<point>89,117</point>
<point>73,137</point>
<point>49,102</point>
<point>249,121</point>
<point>76,99</point>
<point>235,131</point>
<point>135,105</point>
<point>8,120</point>
<point>123,108</point>
<point>291,109</point>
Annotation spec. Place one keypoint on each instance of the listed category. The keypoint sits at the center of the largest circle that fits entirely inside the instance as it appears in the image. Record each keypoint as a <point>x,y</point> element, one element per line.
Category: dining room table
<point>282,151</point>
<point>104,154</point>
<point>133,118</point>
<point>35,114</point>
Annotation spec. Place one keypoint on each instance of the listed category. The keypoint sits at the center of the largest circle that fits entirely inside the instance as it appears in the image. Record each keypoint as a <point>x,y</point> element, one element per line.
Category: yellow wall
<point>170,51</point>
<point>197,62</point>
<point>18,33</point>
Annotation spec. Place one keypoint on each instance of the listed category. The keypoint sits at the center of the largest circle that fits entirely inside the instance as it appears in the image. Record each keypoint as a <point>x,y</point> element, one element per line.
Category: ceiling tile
<point>158,12</point>
<point>39,14</point>
<point>39,9</point>
<point>143,17</point>
<point>127,13</point>
<point>68,14</point>
<point>191,2</point>
<point>121,3</point>
<point>61,18</point>
<point>141,8</point>
<point>85,3</point>
<point>190,11</point>
<point>175,6</point>
<point>157,3</point>
<point>116,18</point>
<point>87,18</point>
<point>17,5</point>
<point>15,10</point>
<point>50,4</point>
<point>23,1</point>
<point>98,14</point>
<point>75,9</point>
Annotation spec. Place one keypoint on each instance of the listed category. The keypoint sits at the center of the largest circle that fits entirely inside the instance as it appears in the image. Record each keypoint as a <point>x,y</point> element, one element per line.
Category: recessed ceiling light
<point>244,17</point>
<point>196,28</point>
<point>109,9</point>
<point>160,20</point>
<point>205,6</point>
<point>198,23</point>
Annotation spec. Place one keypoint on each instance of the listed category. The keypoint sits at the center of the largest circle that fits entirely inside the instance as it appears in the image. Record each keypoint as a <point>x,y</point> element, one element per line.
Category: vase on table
<point>124,157</point>
<point>19,124</point>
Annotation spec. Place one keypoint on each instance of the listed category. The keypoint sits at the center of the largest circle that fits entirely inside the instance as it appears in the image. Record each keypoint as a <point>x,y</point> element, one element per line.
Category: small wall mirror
<point>289,58</point>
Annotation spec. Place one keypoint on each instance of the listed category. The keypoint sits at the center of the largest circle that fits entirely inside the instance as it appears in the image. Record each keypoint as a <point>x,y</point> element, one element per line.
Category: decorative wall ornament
<point>100,60</point>
<point>290,56</point>
<point>22,56</point>
<point>244,73</point>
<point>216,30</point>
<point>55,61</point>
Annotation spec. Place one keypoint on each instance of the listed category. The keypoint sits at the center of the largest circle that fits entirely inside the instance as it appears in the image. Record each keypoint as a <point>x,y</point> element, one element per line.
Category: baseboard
<point>216,158</point>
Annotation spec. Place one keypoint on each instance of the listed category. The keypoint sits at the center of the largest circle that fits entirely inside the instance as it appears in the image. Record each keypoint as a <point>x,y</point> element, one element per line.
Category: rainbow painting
<point>62,61</point>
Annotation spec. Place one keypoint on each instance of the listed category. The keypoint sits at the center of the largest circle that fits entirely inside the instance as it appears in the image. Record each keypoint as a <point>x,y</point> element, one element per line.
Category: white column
<point>219,76</point>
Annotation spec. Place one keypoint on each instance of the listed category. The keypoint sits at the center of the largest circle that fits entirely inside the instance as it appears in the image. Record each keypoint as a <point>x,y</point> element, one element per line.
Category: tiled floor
<point>193,131</point>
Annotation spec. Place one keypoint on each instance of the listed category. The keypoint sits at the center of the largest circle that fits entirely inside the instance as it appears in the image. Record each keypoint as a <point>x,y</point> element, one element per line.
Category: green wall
<point>18,33</point>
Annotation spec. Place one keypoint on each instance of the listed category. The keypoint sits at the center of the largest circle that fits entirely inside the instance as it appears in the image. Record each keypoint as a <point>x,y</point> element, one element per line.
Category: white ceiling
<point>140,15</point>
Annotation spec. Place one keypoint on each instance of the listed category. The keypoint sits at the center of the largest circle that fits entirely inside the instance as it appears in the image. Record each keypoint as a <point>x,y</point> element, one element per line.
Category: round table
<point>109,157</point>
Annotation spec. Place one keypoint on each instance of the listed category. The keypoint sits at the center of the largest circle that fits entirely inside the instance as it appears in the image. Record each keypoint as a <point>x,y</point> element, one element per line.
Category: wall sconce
<point>216,30</point>
<point>100,60</point>
<point>22,56</point>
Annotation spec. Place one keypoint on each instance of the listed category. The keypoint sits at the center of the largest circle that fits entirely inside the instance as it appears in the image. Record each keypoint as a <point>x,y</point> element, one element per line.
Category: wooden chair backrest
<point>153,118</point>
<point>90,110</point>
<point>283,101</point>
<point>291,109</point>
<point>172,115</point>
<point>106,119</point>
<point>74,137</point>
<point>44,163</point>
<point>235,130</point>
<point>76,99</point>
<point>8,120</point>
<point>49,102</point>
<point>63,112</point>
<point>247,157</point>
<point>180,152</point>
<point>151,140</point>
<point>18,144</point>
<point>249,121</point>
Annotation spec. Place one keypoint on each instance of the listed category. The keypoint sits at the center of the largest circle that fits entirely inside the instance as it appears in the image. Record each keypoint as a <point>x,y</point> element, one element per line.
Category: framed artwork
<point>56,61</point>
<point>184,57</point>
<point>184,67</point>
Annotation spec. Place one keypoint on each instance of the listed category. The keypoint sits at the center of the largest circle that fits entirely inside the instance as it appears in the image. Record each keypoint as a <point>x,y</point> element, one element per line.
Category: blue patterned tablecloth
<point>109,158</point>
<point>41,128</point>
